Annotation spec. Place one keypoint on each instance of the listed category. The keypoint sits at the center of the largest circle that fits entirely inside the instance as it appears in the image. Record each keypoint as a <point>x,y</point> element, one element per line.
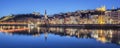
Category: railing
<point>13,23</point>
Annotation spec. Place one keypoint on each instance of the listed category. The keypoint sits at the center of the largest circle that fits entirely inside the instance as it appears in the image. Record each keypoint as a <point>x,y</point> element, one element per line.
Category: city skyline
<point>59,24</point>
<point>52,7</point>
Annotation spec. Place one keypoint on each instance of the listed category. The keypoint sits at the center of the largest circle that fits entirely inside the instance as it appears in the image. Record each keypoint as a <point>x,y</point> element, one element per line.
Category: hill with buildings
<point>20,18</point>
<point>97,16</point>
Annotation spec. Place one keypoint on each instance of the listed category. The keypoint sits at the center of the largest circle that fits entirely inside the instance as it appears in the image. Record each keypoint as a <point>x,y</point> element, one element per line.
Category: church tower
<point>45,15</point>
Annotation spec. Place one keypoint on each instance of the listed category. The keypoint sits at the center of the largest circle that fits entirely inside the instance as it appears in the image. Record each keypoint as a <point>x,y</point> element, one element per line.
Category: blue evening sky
<point>52,6</point>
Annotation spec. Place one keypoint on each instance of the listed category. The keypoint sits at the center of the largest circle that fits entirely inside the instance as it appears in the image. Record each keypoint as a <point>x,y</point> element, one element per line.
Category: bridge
<point>16,25</point>
<point>13,23</point>
<point>32,25</point>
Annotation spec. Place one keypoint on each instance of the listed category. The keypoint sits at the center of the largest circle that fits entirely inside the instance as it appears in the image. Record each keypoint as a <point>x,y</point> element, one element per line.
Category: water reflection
<point>104,36</point>
<point>101,35</point>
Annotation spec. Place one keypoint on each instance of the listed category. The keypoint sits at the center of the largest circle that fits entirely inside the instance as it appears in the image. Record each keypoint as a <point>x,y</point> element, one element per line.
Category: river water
<point>59,37</point>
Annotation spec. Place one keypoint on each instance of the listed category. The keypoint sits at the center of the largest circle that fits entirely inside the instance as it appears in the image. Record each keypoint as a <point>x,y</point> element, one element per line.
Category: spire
<point>45,12</point>
<point>45,15</point>
<point>113,7</point>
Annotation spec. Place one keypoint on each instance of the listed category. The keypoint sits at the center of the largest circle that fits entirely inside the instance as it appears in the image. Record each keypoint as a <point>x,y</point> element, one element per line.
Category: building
<point>45,15</point>
<point>114,14</point>
<point>36,13</point>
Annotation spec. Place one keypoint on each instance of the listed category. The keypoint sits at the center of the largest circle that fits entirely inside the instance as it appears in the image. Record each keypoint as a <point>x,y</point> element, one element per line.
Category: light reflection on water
<point>60,37</point>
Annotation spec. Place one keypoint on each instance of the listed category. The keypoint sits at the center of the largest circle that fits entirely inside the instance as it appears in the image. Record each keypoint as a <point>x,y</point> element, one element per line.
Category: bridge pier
<point>13,27</point>
<point>9,27</point>
<point>1,28</point>
<point>24,27</point>
<point>18,27</point>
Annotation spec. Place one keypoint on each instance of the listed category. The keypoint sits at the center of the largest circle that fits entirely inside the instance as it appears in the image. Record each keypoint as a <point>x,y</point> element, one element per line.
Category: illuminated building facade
<point>115,15</point>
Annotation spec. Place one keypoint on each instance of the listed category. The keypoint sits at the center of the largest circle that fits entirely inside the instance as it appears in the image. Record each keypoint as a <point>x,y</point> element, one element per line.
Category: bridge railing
<point>13,23</point>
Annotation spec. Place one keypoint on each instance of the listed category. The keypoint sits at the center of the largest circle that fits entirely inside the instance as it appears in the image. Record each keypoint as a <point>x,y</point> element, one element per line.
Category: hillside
<point>20,18</point>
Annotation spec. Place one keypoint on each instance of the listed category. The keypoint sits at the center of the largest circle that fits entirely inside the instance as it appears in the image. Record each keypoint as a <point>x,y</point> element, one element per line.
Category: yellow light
<point>102,39</point>
<point>101,20</point>
<point>103,8</point>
